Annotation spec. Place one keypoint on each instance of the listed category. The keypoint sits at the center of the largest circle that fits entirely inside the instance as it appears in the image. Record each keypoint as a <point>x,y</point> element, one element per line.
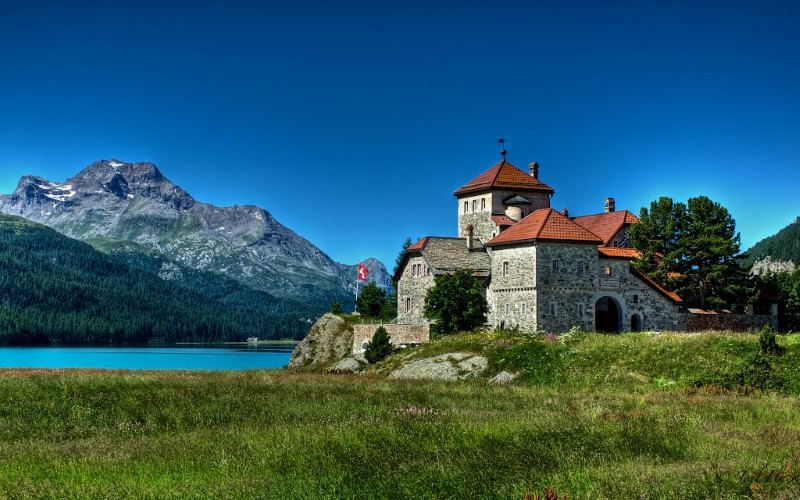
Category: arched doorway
<point>636,323</point>
<point>607,315</point>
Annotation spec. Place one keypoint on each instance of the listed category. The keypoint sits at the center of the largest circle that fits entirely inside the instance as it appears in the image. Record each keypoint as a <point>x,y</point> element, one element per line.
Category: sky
<point>354,122</point>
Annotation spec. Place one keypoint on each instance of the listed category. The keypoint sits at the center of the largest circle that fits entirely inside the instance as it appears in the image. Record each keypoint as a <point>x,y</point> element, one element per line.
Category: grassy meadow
<point>629,416</point>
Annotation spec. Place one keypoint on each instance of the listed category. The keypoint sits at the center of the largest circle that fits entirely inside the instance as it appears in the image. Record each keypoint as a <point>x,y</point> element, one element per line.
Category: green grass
<point>575,420</point>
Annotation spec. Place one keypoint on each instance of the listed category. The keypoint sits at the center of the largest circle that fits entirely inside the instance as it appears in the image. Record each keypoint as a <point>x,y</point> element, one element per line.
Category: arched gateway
<point>607,315</point>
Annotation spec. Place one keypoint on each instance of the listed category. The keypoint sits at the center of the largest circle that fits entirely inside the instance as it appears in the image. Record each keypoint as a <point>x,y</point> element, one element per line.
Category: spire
<point>502,143</point>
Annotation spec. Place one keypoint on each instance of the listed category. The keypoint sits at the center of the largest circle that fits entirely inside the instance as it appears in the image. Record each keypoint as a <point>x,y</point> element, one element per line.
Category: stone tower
<point>498,198</point>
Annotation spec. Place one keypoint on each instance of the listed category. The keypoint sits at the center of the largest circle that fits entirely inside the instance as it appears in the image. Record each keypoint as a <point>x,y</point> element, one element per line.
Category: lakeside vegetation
<point>628,416</point>
<point>56,290</point>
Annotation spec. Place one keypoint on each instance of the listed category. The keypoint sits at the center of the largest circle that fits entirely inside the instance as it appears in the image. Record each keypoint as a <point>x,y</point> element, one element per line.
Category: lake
<point>229,357</point>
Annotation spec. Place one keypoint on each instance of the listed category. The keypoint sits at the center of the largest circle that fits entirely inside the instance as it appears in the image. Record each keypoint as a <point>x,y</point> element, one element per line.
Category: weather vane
<point>502,143</point>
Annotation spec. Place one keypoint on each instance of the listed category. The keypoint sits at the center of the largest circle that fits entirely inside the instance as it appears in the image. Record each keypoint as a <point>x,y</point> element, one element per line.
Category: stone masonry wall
<point>565,290</point>
<point>512,293</point>
<point>481,218</point>
<point>635,296</point>
<point>411,291</point>
<point>399,335</point>
<point>738,322</point>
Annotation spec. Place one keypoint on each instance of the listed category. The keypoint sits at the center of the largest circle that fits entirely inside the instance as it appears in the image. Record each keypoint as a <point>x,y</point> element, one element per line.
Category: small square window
<point>635,299</point>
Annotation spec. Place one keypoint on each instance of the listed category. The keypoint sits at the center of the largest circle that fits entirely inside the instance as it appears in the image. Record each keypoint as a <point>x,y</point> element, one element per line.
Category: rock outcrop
<point>329,339</point>
<point>347,365</point>
<point>451,366</point>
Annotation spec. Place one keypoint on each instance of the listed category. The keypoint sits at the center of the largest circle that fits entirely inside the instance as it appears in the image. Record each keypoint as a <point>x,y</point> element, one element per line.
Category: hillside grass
<point>589,416</point>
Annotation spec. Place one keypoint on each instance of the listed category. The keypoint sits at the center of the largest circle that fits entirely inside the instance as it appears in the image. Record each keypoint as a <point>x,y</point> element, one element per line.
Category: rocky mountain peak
<point>121,201</point>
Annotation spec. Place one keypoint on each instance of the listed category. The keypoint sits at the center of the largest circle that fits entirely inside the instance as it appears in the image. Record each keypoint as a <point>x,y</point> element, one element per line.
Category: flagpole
<point>356,306</point>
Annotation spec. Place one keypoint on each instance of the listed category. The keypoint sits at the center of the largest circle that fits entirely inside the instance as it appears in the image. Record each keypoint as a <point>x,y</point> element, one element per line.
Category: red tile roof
<point>504,175</point>
<point>545,224</point>
<point>619,253</point>
<point>670,294</point>
<point>418,245</point>
<point>503,220</point>
<point>606,225</point>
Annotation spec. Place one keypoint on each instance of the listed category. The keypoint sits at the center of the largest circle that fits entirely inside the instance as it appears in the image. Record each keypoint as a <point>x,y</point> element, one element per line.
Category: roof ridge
<point>543,222</point>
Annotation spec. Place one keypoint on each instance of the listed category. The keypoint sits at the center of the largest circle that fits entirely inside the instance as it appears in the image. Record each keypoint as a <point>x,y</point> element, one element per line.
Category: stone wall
<point>411,291</point>
<point>399,335</point>
<point>565,290</point>
<point>635,296</point>
<point>691,322</point>
<point>512,292</point>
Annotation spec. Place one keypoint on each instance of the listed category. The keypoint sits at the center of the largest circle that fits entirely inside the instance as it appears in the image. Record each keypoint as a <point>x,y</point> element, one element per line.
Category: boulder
<point>347,365</point>
<point>451,366</point>
<point>329,339</point>
<point>503,377</point>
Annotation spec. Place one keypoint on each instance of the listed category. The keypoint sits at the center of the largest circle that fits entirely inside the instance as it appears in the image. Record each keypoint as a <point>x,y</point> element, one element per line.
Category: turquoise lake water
<point>149,358</point>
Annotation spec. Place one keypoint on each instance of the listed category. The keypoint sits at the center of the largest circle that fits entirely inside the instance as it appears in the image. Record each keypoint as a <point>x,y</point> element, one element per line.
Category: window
<point>507,309</point>
<point>408,304</point>
<point>466,206</point>
<point>635,299</point>
<point>505,268</point>
<point>553,309</point>
<point>579,267</point>
<point>607,271</point>
<point>580,309</point>
<point>555,265</point>
<point>474,205</point>
<point>523,308</point>
<point>483,203</point>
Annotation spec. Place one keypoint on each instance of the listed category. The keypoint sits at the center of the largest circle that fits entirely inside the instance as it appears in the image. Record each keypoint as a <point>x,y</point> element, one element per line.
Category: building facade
<point>541,270</point>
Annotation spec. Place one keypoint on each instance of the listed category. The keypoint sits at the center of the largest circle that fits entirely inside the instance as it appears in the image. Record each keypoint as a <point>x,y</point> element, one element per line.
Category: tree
<point>370,300</point>
<point>711,274</point>
<point>693,249</point>
<point>657,236</point>
<point>398,261</point>
<point>455,302</point>
<point>379,347</point>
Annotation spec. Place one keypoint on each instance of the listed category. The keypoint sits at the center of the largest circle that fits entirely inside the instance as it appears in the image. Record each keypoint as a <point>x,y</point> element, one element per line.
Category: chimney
<point>469,236</point>
<point>565,212</point>
<point>534,168</point>
<point>611,205</point>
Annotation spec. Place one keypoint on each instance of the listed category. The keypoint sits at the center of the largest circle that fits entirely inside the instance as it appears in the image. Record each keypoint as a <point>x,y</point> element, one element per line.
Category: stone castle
<point>540,269</point>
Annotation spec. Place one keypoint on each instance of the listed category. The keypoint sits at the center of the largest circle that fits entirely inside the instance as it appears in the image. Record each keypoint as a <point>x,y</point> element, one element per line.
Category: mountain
<point>777,253</point>
<point>113,201</point>
<point>54,289</point>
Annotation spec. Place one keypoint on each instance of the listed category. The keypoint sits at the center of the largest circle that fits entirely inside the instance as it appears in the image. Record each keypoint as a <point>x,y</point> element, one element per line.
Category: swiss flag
<point>363,272</point>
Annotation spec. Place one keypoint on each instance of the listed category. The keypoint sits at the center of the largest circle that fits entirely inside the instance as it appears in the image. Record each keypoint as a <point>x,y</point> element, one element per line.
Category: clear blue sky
<point>354,122</point>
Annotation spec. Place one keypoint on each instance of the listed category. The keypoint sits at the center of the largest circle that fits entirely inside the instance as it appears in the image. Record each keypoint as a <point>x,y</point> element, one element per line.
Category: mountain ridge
<point>135,202</point>
<point>777,253</point>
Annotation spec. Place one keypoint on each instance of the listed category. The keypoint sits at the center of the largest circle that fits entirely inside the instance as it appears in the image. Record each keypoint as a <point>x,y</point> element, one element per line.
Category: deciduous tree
<point>455,302</point>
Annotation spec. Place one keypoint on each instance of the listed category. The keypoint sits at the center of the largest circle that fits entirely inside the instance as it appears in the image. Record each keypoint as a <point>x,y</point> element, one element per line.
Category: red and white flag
<point>363,272</point>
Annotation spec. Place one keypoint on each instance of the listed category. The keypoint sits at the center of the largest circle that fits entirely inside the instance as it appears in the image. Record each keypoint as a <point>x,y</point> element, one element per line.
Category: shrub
<point>379,347</point>
<point>768,342</point>
<point>336,308</point>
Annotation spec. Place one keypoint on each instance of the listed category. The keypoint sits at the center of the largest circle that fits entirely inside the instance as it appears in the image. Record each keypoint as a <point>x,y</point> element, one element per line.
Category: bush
<point>336,308</point>
<point>379,347</point>
<point>768,342</point>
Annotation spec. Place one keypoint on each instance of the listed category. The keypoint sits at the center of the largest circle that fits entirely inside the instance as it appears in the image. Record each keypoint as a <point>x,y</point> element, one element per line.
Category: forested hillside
<point>782,246</point>
<point>57,290</point>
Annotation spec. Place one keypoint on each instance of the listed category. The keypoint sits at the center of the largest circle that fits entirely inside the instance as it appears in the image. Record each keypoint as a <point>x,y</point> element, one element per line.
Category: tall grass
<point>298,435</point>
